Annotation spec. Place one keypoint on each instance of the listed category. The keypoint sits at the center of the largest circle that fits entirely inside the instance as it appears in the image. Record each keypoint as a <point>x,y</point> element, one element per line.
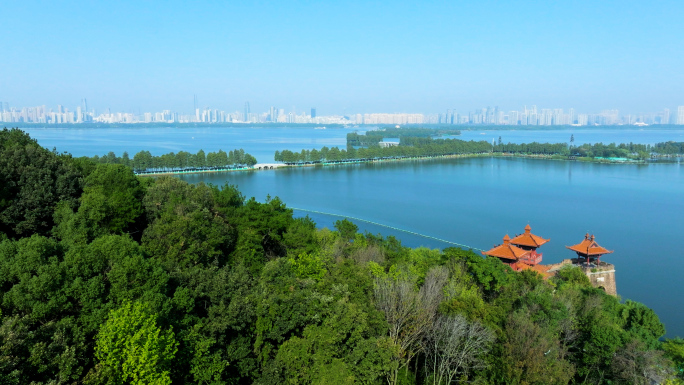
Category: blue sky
<point>344,56</point>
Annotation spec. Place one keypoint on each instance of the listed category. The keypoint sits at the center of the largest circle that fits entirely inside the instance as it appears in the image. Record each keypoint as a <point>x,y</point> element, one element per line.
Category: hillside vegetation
<point>109,278</point>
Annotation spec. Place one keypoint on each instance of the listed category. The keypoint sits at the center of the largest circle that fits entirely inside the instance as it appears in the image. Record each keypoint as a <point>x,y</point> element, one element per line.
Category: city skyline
<point>482,116</point>
<point>345,57</point>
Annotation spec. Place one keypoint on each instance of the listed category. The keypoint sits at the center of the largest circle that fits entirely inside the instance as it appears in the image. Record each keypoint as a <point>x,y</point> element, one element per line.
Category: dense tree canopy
<point>32,181</point>
<point>145,162</point>
<point>419,145</point>
<point>141,280</point>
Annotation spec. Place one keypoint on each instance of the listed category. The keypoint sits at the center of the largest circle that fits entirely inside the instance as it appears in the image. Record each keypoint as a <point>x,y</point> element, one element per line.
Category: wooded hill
<point>109,278</point>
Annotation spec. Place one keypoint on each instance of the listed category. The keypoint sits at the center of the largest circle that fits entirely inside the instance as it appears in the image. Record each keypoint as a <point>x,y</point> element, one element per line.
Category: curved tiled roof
<point>541,269</point>
<point>528,239</point>
<point>588,246</point>
<point>506,250</point>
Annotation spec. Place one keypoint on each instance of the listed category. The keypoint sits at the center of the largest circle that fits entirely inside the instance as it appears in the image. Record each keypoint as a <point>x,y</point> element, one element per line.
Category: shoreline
<point>454,156</point>
<point>194,171</point>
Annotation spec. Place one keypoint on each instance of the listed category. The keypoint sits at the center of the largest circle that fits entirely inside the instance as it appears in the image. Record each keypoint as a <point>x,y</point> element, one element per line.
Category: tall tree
<point>454,347</point>
<point>131,348</point>
<point>410,313</point>
<point>32,181</point>
<point>110,204</point>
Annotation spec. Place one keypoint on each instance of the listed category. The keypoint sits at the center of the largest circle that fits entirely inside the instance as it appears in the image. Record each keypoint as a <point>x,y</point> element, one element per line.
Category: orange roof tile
<point>543,270</point>
<point>528,239</point>
<point>588,246</point>
<point>506,250</point>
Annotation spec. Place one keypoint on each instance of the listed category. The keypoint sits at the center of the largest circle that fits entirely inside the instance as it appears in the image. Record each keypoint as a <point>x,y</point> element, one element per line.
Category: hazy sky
<point>353,57</point>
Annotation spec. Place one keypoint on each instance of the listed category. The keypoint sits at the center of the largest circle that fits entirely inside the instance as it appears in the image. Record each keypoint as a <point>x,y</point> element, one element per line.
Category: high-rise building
<point>665,117</point>
<point>273,114</point>
<point>571,116</point>
<point>313,113</point>
<point>680,115</point>
<point>513,118</point>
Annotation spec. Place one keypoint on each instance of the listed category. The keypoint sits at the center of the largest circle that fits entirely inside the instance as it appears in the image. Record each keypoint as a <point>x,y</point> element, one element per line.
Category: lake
<point>263,141</point>
<point>636,210</point>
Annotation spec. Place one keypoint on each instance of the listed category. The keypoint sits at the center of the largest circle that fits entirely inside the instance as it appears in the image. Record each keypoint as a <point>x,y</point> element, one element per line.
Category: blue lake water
<point>636,210</point>
<point>262,142</point>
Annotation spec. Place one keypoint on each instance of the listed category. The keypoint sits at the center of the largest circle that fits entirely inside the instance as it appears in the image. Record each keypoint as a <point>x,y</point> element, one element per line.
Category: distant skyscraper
<point>513,118</point>
<point>571,116</point>
<point>273,114</point>
<point>313,113</point>
<point>247,111</point>
<point>666,117</point>
<point>680,115</point>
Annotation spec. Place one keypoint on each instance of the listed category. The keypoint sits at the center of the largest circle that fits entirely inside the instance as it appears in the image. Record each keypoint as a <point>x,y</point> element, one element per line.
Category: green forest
<point>144,162</point>
<point>414,145</point>
<point>107,277</point>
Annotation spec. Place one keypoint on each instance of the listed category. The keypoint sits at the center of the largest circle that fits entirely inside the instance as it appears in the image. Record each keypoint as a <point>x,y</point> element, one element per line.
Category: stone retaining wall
<point>601,276</point>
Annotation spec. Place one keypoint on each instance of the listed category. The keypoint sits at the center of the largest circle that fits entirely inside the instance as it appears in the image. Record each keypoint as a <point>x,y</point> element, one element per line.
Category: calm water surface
<point>262,142</point>
<point>635,210</point>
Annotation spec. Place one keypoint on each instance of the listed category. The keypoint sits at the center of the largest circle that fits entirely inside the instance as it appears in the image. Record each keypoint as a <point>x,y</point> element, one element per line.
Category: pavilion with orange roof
<point>528,241</point>
<point>589,250</point>
<point>520,252</point>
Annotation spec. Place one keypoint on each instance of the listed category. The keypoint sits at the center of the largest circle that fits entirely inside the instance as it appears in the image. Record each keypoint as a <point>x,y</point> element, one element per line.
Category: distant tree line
<point>669,148</point>
<point>421,132</point>
<point>373,138</point>
<point>415,147</point>
<point>144,161</point>
<point>629,150</point>
<point>354,139</point>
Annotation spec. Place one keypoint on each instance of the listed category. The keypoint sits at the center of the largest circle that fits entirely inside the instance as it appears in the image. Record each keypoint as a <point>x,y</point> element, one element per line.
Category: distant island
<point>415,144</point>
